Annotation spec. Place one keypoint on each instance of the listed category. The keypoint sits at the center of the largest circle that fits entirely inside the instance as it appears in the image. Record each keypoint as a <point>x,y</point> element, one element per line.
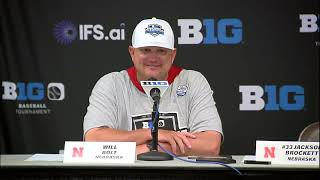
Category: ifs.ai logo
<point>210,31</point>
<point>65,32</point>
<point>271,98</point>
<point>31,96</point>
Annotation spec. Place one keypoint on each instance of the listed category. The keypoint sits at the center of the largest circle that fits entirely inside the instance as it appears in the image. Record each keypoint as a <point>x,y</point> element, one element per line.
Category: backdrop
<point>260,58</point>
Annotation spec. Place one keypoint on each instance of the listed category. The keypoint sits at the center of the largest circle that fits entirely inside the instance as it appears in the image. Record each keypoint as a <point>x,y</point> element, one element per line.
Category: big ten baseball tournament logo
<point>310,24</point>
<point>272,98</point>
<point>210,31</point>
<point>65,32</point>
<point>31,96</point>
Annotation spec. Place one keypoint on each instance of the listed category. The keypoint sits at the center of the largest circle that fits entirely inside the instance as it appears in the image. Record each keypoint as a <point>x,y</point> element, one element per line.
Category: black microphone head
<point>155,94</point>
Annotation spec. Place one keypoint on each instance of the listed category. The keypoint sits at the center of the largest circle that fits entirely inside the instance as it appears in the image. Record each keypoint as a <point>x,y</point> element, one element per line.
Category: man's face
<point>152,62</point>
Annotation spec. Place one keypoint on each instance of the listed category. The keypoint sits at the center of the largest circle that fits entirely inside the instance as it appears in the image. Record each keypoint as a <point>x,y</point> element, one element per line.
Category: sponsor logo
<point>66,32</point>
<point>272,98</point>
<point>215,31</point>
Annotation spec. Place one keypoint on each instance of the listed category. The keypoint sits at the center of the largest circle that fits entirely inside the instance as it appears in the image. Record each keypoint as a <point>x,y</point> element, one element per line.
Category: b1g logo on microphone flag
<point>148,85</point>
<point>154,83</point>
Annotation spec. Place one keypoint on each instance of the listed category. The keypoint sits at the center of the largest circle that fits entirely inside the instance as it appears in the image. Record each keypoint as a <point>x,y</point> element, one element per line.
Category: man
<point>119,109</point>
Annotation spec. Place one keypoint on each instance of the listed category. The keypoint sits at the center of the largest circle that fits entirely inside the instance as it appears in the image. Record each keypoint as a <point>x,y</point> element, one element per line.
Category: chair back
<point>310,133</point>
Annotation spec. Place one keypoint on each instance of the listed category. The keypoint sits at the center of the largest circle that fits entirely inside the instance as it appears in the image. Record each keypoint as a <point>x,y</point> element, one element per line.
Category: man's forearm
<point>206,143</point>
<point>139,136</point>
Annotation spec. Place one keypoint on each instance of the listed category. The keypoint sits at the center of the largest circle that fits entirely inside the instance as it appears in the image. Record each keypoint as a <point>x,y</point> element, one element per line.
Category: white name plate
<point>99,152</point>
<point>288,152</point>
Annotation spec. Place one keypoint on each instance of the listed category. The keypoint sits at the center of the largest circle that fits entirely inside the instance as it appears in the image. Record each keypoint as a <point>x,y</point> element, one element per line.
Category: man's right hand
<point>176,140</point>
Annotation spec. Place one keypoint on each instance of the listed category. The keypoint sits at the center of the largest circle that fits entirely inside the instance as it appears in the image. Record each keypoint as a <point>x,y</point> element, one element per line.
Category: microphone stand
<point>154,154</point>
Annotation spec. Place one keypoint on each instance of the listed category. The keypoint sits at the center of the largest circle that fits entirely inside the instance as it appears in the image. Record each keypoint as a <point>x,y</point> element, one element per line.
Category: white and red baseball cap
<point>153,32</point>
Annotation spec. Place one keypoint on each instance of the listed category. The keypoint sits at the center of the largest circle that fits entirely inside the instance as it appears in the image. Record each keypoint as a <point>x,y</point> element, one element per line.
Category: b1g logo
<point>154,83</point>
<point>148,124</point>
<point>222,31</point>
<point>287,97</point>
<point>309,23</point>
<point>34,91</point>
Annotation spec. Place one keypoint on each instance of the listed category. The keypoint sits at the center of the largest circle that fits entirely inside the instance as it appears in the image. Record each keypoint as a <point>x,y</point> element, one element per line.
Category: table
<point>14,167</point>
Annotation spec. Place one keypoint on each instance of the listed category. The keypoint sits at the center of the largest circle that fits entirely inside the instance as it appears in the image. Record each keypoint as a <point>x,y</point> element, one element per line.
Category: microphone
<point>156,89</point>
<point>155,94</point>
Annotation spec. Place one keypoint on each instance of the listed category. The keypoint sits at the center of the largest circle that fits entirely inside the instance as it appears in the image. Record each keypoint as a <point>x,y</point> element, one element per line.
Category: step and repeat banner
<point>260,58</point>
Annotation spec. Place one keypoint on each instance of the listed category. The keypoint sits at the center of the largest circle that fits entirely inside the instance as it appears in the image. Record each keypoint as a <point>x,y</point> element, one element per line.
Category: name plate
<point>288,152</point>
<point>99,152</point>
